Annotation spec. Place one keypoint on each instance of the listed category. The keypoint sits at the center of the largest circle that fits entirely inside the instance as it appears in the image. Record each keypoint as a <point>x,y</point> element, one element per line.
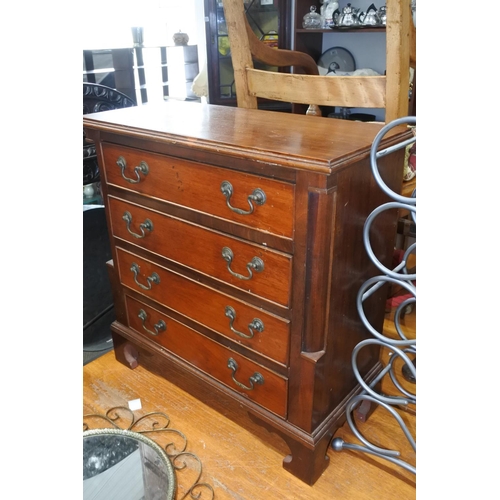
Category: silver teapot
<point>348,16</point>
<point>382,15</point>
<point>370,18</point>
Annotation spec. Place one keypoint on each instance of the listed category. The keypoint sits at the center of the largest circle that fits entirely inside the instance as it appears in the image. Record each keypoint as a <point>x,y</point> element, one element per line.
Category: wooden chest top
<point>288,140</point>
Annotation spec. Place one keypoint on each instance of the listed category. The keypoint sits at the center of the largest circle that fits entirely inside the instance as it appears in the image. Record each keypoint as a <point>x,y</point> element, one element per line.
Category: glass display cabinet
<point>270,21</point>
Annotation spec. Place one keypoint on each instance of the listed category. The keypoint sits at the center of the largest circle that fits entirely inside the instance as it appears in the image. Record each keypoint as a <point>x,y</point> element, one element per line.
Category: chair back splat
<point>389,91</point>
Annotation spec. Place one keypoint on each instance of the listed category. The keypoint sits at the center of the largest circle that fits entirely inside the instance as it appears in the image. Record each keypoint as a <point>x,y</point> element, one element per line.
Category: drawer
<point>256,382</point>
<point>212,190</point>
<point>252,327</point>
<point>253,268</point>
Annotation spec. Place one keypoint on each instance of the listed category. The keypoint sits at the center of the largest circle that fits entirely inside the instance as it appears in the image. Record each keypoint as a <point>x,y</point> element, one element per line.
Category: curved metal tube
<point>361,296</point>
<point>383,451</point>
<point>374,155</point>
<point>383,399</point>
<point>338,444</point>
<point>366,238</point>
<point>401,348</point>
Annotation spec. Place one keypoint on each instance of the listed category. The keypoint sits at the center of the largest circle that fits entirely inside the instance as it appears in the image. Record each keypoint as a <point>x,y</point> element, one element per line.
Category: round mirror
<point>126,465</point>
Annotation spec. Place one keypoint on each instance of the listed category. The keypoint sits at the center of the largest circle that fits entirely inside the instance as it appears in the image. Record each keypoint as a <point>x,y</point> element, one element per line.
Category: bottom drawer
<point>232,369</point>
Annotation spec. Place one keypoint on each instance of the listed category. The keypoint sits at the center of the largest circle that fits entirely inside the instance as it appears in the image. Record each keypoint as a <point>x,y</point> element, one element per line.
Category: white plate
<point>336,59</point>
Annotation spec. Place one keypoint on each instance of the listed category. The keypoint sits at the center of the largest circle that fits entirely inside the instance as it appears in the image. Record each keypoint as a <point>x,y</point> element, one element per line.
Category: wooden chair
<point>389,92</point>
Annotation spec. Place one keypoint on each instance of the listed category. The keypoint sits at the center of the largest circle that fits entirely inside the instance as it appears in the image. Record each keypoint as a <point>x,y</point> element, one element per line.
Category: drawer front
<point>250,267</point>
<point>211,190</point>
<point>252,327</point>
<point>235,371</point>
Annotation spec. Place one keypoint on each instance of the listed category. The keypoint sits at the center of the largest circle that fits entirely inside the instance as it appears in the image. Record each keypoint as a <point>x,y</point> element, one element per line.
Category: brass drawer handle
<point>256,324</point>
<point>256,378</point>
<point>258,197</point>
<point>154,278</point>
<point>147,225</point>
<point>159,327</point>
<point>142,168</point>
<point>256,264</point>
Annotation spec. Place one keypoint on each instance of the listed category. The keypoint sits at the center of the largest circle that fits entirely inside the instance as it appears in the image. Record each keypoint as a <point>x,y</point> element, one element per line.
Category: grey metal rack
<point>401,348</point>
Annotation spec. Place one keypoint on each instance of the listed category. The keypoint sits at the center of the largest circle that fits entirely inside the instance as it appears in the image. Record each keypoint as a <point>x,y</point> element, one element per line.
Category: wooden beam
<point>397,59</point>
<point>355,91</point>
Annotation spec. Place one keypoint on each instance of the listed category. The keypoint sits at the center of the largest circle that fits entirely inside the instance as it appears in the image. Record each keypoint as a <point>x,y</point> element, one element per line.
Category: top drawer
<point>250,200</point>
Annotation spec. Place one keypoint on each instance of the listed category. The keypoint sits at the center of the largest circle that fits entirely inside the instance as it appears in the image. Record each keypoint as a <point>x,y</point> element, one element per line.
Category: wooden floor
<point>245,465</point>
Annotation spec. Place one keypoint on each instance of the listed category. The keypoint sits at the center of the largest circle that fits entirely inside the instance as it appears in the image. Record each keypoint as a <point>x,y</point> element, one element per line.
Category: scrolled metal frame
<point>136,436</point>
<point>149,424</point>
<point>401,348</point>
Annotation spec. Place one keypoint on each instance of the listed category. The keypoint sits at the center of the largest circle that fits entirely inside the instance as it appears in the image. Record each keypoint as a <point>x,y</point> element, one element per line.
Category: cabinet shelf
<point>285,20</point>
<point>98,71</point>
<point>131,67</point>
<point>342,29</point>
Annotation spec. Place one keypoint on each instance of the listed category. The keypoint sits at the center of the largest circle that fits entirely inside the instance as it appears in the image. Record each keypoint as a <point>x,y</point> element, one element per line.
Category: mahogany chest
<point>237,256</point>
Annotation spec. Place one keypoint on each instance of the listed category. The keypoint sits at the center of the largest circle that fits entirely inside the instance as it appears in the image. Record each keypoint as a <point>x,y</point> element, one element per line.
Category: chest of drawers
<point>237,256</point>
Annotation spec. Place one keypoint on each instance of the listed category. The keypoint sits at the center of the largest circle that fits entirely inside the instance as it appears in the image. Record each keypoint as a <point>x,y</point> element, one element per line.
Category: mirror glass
<point>125,465</point>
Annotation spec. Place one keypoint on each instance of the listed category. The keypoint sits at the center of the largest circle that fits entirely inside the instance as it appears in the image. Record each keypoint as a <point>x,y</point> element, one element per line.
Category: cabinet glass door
<point>265,19</point>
